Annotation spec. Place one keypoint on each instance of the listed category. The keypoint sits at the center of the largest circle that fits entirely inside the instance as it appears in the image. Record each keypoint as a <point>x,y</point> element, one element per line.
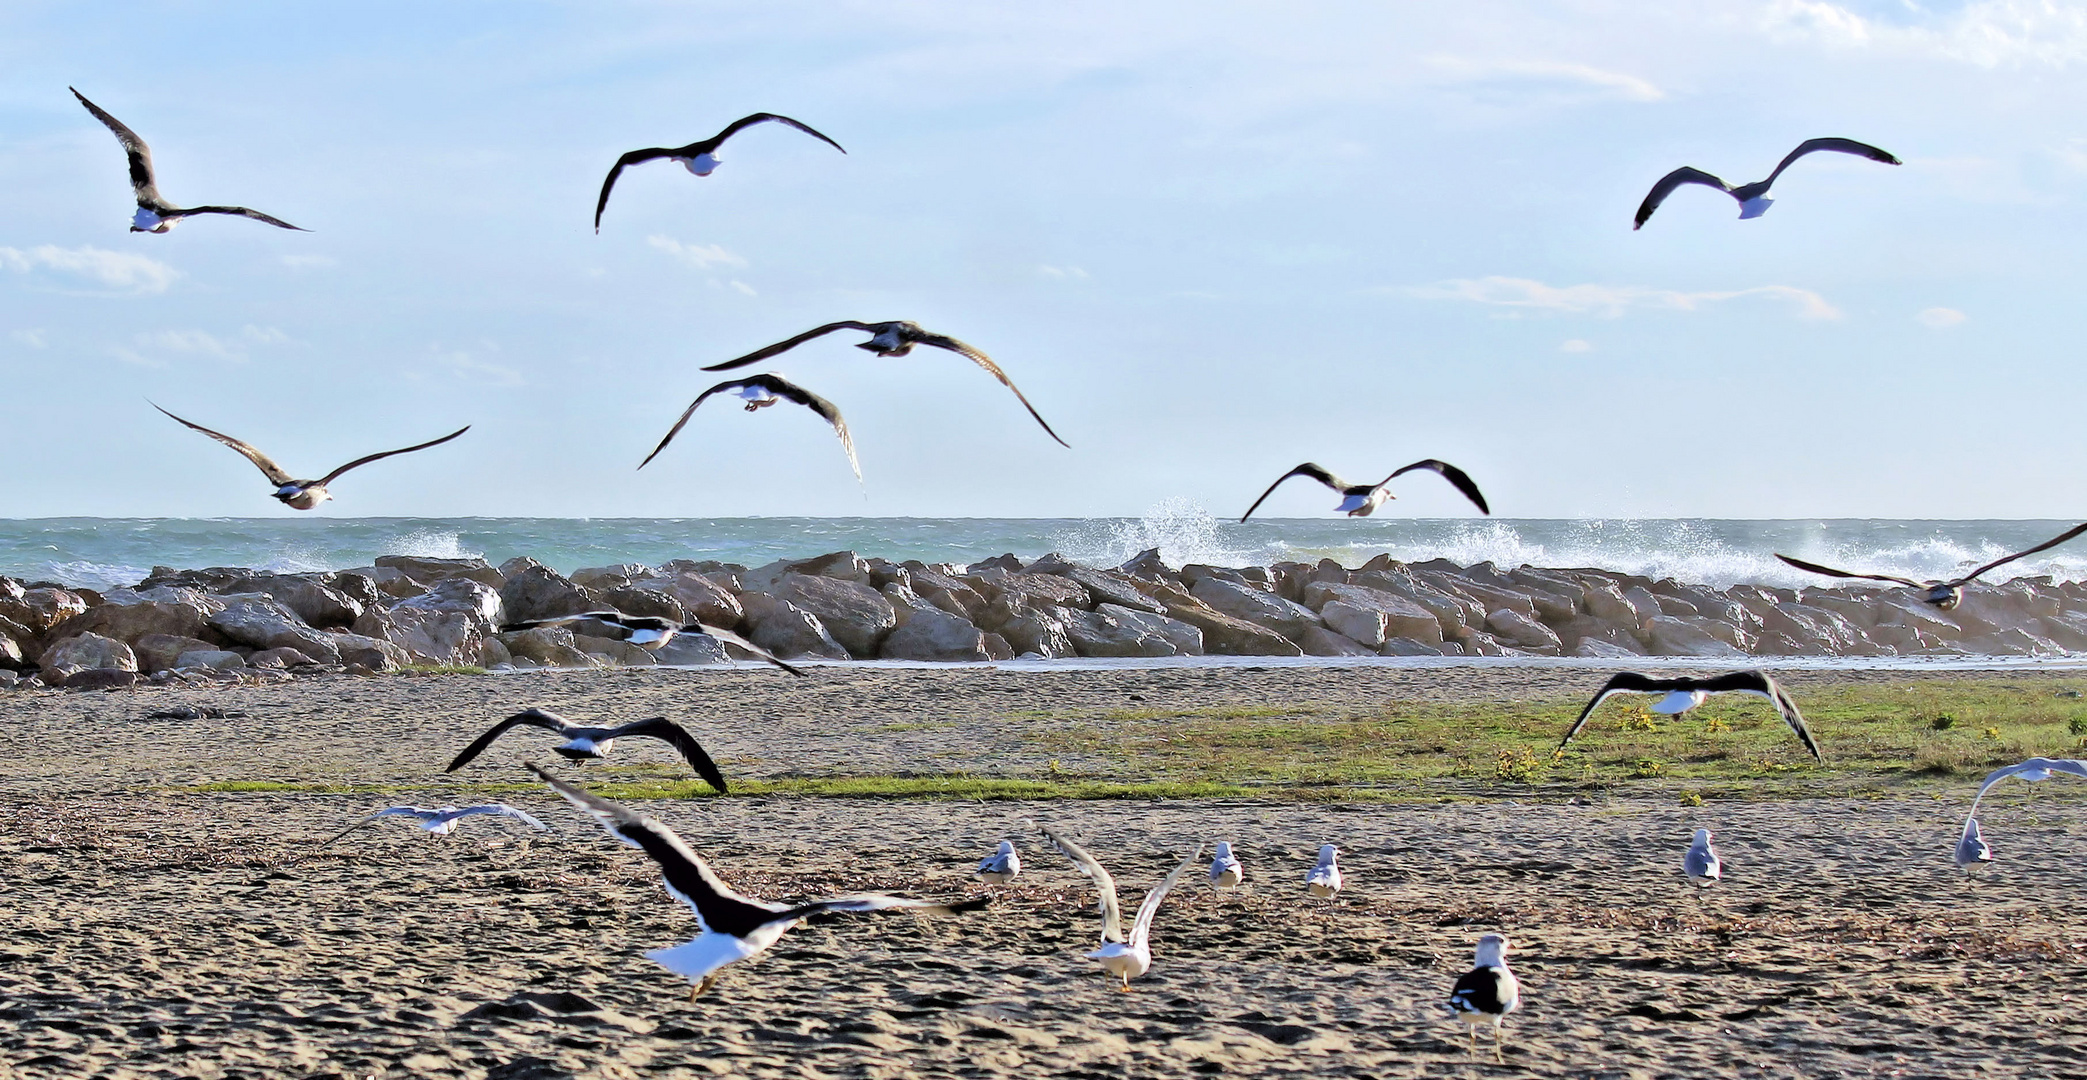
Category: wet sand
<point>157,932</point>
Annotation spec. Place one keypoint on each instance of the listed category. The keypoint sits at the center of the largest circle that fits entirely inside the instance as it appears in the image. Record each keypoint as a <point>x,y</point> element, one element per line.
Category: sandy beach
<point>168,925</point>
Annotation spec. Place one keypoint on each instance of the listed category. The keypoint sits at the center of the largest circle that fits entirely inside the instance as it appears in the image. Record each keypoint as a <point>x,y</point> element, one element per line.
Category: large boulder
<point>787,630</point>
<point>1365,625</point>
<point>427,571</point>
<point>613,651</point>
<point>1402,617</point>
<point>262,622</point>
<point>535,591</point>
<point>128,615</point>
<point>1224,635</point>
<point>38,609</point>
<point>1039,590</point>
<point>315,602</point>
<point>1119,631</point>
<point>1044,632</point>
<point>88,651</point>
<point>546,646</point>
<point>1317,640</point>
<point>854,614</point>
<point>701,598</point>
<point>933,634</point>
<point>1104,586</point>
<point>1241,601</point>
<point>604,578</point>
<point>1508,624</point>
<point>448,624</point>
<point>945,591</point>
<point>638,600</point>
<point>839,565</point>
<point>1673,635</point>
<point>158,652</point>
<point>689,650</point>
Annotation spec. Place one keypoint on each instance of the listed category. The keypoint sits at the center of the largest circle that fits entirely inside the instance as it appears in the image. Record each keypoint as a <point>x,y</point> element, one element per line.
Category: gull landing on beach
<point>442,820</point>
<point>303,494</point>
<point>1971,847</point>
<point>699,157</point>
<point>1126,958</point>
<point>1325,878</point>
<point>759,392</point>
<point>1002,865</point>
<point>647,632</point>
<point>155,214</point>
<point>1362,500</point>
<point>894,339</point>
<point>1678,696</point>
<point>735,927</point>
<point>1753,198</point>
<point>1702,864</point>
<point>1943,594</point>
<point>1486,993</point>
<point>587,743</point>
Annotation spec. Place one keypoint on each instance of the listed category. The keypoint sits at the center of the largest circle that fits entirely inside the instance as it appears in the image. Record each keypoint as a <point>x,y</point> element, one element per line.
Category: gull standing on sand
<point>1486,993</point>
<point>647,632</point>
<point>1753,198</point>
<point>1943,594</point>
<point>155,214</point>
<point>1971,847</point>
<point>1704,867</point>
<point>1226,871</point>
<point>699,157</point>
<point>1362,500</point>
<point>1680,695</point>
<point>442,820</point>
<point>587,743</point>
<point>734,927</point>
<point>1125,958</point>
<point>1002,865</point>
<point>1325,878</point>
<point>303,494</point>
<point>894,339</point>
<point>759,392</point>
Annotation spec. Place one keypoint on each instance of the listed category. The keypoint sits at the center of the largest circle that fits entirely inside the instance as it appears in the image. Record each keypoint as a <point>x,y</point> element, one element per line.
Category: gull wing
<point>1111,911</point>
<point>361,461</point>
<point>142,183</point>
<point>389,811</point>
<point>1843,146</point>
<point>240,211</point>
<point>943,341</point>
<point>1141,928</point>
<point>877,902</point>
<point>635,157</point>
<point>1456,477</point>
<point>1306,469</point>
<point>1623,682</point>
<point>1760,684</point>
<point>501,809</point>
<point>2035,764</point>
<point>744,122</point>
<point>790,343</point>
<point>730,638</point>
<point>2051,543</point>
<point>1831,572</point>
<point>1666,186</point>
<point>268,467</point>
<point>783,388</point>
<point>659,727</point>
<point>548,721</point>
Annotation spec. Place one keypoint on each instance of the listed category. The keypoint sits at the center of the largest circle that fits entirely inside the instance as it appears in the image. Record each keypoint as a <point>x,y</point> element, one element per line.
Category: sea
<point>103,553</point>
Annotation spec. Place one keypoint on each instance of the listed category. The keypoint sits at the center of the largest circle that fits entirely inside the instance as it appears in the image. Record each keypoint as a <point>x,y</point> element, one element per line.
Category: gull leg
<point>1498,1036</point>
<point>699,989</point>
<point>1472,1030</point>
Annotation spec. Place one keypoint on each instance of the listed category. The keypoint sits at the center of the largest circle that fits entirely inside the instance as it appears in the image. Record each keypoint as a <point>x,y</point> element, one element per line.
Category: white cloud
<point>202,343</point>
<point>1576,345</point>
<point>470,367</point>
<point>32,338</point>
<point>1062,273</point>
<point>1987,33</point>
<point>1601,82</point>
<point>1609,301</point>
<point>743,287</point>
<point>1940,318</point>
<point>700,256</point>
<point>115,269</point>
<point>310,262</point>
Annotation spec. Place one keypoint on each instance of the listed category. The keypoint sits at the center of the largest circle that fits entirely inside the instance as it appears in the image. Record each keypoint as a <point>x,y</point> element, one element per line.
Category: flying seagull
<point>1125,958</point>
<point>700,156</point>
<point>1325,878</point>
<point>1753,198</point>
<point>1971,848</point>
<point>894,339</point>
<point>442,820</point>
<point>1943,594</point>
<point>1702,864</point>
<point>1488,992</point>
<point>646,631</point>
<point>1226,871</point>
<point>304,494</point>
<point>1681,695</point>
<point>1363,499</point>
<point>734,927</point>
<point>1002,865</point>
<point>155,214</point>
<point>759,392</point>
<point>587,743</point>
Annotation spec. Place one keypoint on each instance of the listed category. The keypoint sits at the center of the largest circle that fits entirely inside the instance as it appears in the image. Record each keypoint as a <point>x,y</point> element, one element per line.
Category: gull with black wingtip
<point>699,157</point>
<point>1753,198</point>
<point>586,742</point>
<point>155,214</point>
<point>1679,695</point>
<point>303,494</point>
<point>646,632</point>
<point>759,392</point>
<point>1362,500</point>
<point>1943,594</point>
<point>1486,993</point>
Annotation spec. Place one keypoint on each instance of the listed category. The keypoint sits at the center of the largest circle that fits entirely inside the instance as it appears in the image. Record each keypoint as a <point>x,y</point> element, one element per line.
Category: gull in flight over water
<point>734,927</point>
<point>442,820</point>
<point>1126,958</point>
<point>1362,500</point>
<point>588,743</point>
<point>1325,878</point>
<point>1486,993</point>
<point>759,392</point>
<point>1971,848</point>
<point>894,339</point>
<point>1680,695</point>
<point>1704,867</point>
<point>1002,865</point>
<point>1753,198</point>
<point>155,214</point>
<point>646,631</point>
<point>1226,871</point>
<point>304,494</point>
<point>700,157</point>
<point>1943,594</point>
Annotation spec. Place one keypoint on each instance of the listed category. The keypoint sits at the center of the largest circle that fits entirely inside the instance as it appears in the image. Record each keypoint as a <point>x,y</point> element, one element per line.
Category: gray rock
<point>1405,646</point>
<point>427,571</point>
<point>604,578</point>
<point>1402,617</point>
<point>1595,648</point>
<point>690,650</point>
<point>613,651</point>
<point>38,610</point>
<point>933,634</point>
<point>1675,636</point>
<point>262,622</point>
<point>838,565</point>
<point>1224,635</point>
<point>1319,641</point>
<point>1364,625</point>
<point>1118,631</point>
<point>1510,625</point>
<point>787,630</point>
<point>546,646</point>
<point>158,652</point>
<point>637,599</point>
<point>1042,632</point>
<point>127,615</point>
<point>1242,601</point>
<point>88,651</point>
<point>278,658</point>
<point>704,599</point>
<point>536,592</point>
<point>945,591</point>
<point>98,679</point>
<point>854,614</point>
<point>214,659</point>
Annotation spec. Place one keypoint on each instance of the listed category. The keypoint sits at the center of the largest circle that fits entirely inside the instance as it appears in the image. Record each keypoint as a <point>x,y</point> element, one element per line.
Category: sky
<point>1208,240</point>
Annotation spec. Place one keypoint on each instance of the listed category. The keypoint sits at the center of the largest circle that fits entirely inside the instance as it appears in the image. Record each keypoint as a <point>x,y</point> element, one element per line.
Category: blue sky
<point>1208,240</point>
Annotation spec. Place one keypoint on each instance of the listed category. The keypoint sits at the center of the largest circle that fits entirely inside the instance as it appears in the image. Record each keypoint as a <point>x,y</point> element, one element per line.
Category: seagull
<point>1488,992</point>
<point>894,339</point>
<point>1753,198</point>
<point>700,156</point>
<point>442,820</point>
<point>1125,958</point>
<point>1226,871</point>
<point>759,392</point>
<point>1971,848</point>
<point>585,743</point>
<point>1002,865</point>
<point>155,214</point>
<point>1703,866</point>
<point>647,631</point>
<point>735,927</point>
<point>1683,694</point>
<point>1363,499</point>
<point>303,494</point>
<point>1943,594</point>
<point>1325,878</point>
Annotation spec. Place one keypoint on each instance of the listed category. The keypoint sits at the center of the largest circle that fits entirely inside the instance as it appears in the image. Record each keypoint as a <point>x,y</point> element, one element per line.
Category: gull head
<point>1492,951</point>
<point>1365,504</point>
<point>302,496</point>
<point>701,164</point>
<point>1702,838</point>
<point>1943,595</point>
<point>1754,207</point>
<point>757,397</point>
<point>1971,848</point>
